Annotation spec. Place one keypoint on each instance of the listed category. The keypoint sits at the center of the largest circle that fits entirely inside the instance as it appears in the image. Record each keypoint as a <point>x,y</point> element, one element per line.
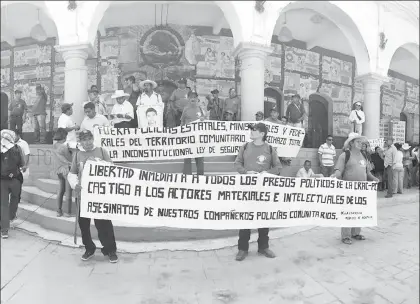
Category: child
<point>61,165</point>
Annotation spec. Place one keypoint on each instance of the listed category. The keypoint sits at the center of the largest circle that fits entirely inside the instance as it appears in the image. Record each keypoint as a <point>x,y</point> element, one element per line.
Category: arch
<point>278,95</point>
<point>344,15</point>
<point>386,58</point>
<point>409,125</point>
<point>328,104</point>
<point>229,9</point>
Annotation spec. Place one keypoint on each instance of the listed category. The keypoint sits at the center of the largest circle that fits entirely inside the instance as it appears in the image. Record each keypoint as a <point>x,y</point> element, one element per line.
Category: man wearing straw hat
<point>149,97</point>
<point>123,112</point>
<point>357,118</point>
<point>353,166</point>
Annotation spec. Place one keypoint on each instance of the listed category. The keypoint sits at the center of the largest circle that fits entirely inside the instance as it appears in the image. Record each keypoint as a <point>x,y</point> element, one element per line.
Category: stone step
<point>48,220</point>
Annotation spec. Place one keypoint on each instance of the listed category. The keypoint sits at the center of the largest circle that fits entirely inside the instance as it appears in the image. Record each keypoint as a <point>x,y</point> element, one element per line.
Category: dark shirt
<point>191,113</point>
<point>378,162</point>
<point>11,162</point>
<point>17,108</point>
<point>295,112</point>
<point>40,105</point>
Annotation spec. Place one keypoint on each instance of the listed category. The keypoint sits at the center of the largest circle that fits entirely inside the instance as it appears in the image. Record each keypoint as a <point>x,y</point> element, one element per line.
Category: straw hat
<point>142,83</point>
<point>119,93</point>
<point>405,146</point>
<point>352,136</point>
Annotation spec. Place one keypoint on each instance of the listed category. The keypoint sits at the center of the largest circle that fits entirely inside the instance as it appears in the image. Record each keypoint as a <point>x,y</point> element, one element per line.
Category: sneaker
<point>241,255</point>
<point>59,213</point>
<point>87,255</point>
<point>4,234</point>
<point>267,253</point>
<point>113,258</point>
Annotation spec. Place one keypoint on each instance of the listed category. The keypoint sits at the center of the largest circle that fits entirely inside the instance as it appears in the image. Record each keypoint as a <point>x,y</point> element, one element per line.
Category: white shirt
<point>144,99</point>
<point>23,145</point>
<point>90,123</point>
<point>305,174</point>
<point>100,106</point>
<point>398,160</point>
<point>65,121</point>
<point>353,116</point>
<point>125,109</point>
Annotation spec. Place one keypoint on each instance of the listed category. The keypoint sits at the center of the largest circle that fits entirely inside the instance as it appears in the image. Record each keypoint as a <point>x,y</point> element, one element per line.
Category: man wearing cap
<point>274,116</point>
<point>214,105</point>
<point>295,112</point>
<point>229,115</point>
<point>66,122</point>
<point>92,118</point>
<point>11,162</point>
<point>233,103</point>
<point>104,227</point>
<point>357,118</point>
<point>389,163</point>
<point>122,112</point>
<point>259,116</point>
<point>193,112</point>
<point>97,100</point>
<point>256,157</point>
<point>179,99</point>
<point>355,168</point>
<point>17,110</point>
<point>284,120</point>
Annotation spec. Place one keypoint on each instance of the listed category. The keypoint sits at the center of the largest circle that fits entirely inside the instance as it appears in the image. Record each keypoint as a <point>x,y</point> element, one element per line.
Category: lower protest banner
<point>198,139</point>
<point>221,202</point>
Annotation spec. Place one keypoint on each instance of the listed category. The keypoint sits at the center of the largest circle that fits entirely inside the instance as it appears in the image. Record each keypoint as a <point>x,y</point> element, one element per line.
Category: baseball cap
<point>65,107</point>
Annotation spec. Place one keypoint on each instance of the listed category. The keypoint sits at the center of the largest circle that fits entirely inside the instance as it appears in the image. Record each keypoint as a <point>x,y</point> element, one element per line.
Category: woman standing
<point>408,165</point>
<point>398,170</point>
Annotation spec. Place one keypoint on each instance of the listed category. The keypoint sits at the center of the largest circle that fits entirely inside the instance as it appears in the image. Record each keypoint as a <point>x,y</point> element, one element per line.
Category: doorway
<point>318,121</point>
<point>272,97</point>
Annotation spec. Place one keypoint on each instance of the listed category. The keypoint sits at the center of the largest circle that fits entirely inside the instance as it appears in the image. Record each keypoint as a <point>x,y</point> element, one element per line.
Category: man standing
<point>179,100</point>
<point>123,112</point>
<point>357,118</point>
<point>259,116</point>
<point>11,162</point>
<point>92,118</point>
<point>233,103</point>
<point>256,157</point>
<point>104,227</point>
<point>214,105</point>
<point>191,113</point>
<point>17,110</point>
<point>389,162</point>
<point>23,173</point>
<point>327,155</point>
<point>4,111</point>
<point>39,112</point>
<point>274,116</point>
<point>149,97</point>
<point>66,122</point>
<point>295,112</point>
<point>97,100</point>
<point>353,166</point>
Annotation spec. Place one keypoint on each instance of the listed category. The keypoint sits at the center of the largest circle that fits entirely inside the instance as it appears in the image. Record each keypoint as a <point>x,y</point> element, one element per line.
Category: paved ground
<point>313,267</point>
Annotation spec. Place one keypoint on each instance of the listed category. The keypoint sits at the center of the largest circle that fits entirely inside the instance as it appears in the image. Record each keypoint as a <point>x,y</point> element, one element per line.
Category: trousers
<point>16,123</point>
<point>245,234</point>
<point>390,180</point>
<point>40,128</point>
<point>398,180</point>
<point>9,188</point>
<point>199,162</point>
<point>347,233</point>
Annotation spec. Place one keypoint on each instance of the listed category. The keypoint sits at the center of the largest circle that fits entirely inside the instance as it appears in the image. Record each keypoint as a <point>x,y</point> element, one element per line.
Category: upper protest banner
<point>198,139</point>
<point>219,202</point>
<point>379,142</point>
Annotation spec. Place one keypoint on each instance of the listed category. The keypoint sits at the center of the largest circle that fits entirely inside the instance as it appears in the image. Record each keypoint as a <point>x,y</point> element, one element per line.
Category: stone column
<point>75,77</point>
<point>252,58</point>
<point>372,103</point>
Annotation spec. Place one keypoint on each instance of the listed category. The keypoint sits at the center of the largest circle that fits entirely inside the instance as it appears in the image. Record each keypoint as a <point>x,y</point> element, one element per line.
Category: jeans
<point>199,162</point>
<point>327,171</point>
<point>245,234</point>
<point>16,123</point>
<point>398,179</point>
<point>62,189</point>
<point>8,187</point>
<point>390,181</point>
<point>105,234</point>
<point>347,233</point>
<point>358,128</point>
<point>408,182</point>
<point>40,128</point>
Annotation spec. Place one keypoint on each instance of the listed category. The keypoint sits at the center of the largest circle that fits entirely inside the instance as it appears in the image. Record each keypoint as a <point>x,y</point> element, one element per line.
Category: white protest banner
<point>221,202</point>
<point>198,139</point>
<point>379,142</point>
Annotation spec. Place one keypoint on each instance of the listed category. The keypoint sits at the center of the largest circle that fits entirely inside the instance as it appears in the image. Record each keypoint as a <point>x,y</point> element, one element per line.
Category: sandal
<point>359,237</point>
<point>347,241</point>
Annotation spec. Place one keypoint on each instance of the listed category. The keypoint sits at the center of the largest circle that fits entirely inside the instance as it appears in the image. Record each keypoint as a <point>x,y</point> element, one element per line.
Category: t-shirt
<point>398,160</point>
<point>17,108</point>
<point>40,105</point>
<point>81,157</point>
<point>294,112</point>
<point>65,121</point>
<point>258,159</point>
<point>180,99</point>
<point>151,100</point>
<point>90,123</point>
<point>305,174</point>
<point>327,154</point>
<point>125,109</point>
<point>190,114</point>
<point>355,169</point>
<point>232,104</point>
<point>24,147</point>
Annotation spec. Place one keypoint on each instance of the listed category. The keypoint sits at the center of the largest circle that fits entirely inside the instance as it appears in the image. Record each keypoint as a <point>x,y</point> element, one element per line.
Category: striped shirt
<point>327,155</point>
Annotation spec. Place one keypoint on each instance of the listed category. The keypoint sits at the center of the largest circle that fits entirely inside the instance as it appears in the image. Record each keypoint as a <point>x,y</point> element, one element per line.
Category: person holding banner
<point>352,166</point>
<point>357,118</point>
<point>295,112</point>
<point>191,113</point>
<point>256,157</point>
<point>104,227</point>
<point>179,100</point>
<point>123,112</point>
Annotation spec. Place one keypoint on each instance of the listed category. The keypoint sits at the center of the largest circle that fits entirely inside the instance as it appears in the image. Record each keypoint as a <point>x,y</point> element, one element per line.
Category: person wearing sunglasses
<point>256,157</point>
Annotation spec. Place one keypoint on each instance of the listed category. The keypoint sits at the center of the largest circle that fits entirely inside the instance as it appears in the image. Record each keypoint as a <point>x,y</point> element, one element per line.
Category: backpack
<point>11,162</point>
<point>271,152</point>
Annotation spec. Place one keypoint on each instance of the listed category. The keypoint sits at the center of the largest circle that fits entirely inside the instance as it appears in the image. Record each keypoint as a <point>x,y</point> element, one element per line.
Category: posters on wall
<point>32,55</point>
<point>273,65</point>
<point>358,92</point>
<point>223,202</point>
<point>198,139</point>
<point>398,131</point>
<point>336,70</point>
<point>150,116</point>
<point>384,128</point>
<point>393,94</point>
<point>412,99</point>
<point>301,60</point>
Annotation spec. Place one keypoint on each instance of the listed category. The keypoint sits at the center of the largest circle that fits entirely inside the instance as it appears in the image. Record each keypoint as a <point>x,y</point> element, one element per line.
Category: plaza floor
<point>312,267</point>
